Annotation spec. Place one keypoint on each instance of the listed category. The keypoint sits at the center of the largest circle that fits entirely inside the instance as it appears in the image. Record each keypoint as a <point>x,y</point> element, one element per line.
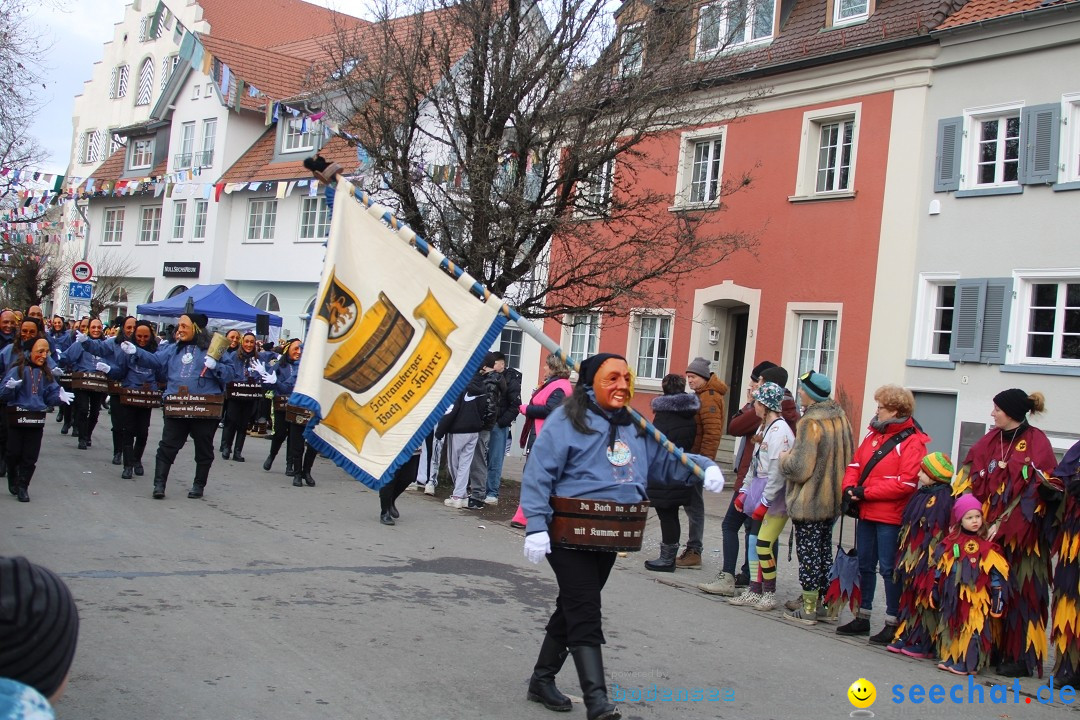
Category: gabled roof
<point>274,74</point>
<point>258,162</point>
<point>266,23</point>
<point>113,168</point>
<point>977,11</point>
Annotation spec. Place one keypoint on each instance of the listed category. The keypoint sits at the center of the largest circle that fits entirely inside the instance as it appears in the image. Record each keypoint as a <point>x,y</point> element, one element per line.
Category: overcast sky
<point>78,32</point>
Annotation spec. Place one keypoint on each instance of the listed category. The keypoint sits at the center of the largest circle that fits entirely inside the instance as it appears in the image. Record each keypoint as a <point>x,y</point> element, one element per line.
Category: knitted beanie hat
<point>39,625</point>
<point>816,385</point>
<point>700,367</point>
<point>963,505</point>
<point>762,366</point>
<point>938,466</point>
<point>1015,403</point>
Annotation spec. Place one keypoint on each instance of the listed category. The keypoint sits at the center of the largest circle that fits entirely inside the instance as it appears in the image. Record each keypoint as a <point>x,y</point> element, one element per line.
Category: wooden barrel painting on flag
<point>369,344</point>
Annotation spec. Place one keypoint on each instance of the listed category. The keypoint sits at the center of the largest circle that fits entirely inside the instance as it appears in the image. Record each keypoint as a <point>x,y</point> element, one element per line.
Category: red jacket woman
<point>894,479</point>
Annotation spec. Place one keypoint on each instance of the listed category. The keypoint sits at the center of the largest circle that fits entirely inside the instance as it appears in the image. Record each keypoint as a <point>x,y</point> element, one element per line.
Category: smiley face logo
<point>862,693</point>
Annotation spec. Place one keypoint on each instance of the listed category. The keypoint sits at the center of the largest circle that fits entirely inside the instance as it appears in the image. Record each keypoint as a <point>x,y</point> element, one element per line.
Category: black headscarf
<point>586,375</point>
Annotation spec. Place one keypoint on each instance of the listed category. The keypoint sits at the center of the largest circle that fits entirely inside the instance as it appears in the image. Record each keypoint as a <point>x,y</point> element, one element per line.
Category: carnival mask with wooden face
<point>612,384</point>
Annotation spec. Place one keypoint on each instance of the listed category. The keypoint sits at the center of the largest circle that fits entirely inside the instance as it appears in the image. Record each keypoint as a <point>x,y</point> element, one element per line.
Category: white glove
<point>714,479</point>
<point>269,378</point>
<point>210,363</point>
<point>103,367</point>
<point>537,545</point>
<point>259,367</point>
<point>66,397</point>
<point>128,347</point>
<point>13,383</point>
<point>81,337</point>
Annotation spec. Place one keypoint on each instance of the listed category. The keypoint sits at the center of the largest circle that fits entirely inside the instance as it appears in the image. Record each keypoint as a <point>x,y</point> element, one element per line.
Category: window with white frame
<point>113,226</point>
<point>209,134</point>
<point>314,219</point>
<point>168,66</point>
<point>943,303</point>
<point>150,225</point>
<point>699,177</point>
<point>849,11</point>
<point>935,312</point>
<point>198,225</point>
<point>827,152</point>
<point>146,82</point>
<point>817,344</point>
<point>632,49</point>
<point>295,137</point>
<point>118,87</point>
<point>1070,145</point>
<point>993,148</point>
<point>584,332</point>
<point>1050,321</point>
<point>267,302</point>
<point>187,145</point>
<point>179,219</point>
<point>262,215</point>
<point>594,194</point>
<point>653,346</point>
<point>142,154</point>
<point>732,23</point>
<point>115,143</point>
<point>91,147</point>
<point>510,346</point>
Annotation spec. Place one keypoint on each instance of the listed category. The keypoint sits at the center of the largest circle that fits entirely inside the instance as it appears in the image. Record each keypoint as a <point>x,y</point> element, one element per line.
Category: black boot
<point>298,480</point>
<point>289,466</point>
<point>308,479</point>
<point>116,458</point>
<point>128,472</point>
<point>225,453</point>
<point>238,446</point>
<point>161,476</point>
<point>666,561</point>
<point>589,660</point>
<point>268,462</point>
<point>66,427</point>
<point>23,495</point>
<point>542,683</point>
<point>12,482</point>
<point>202,472</point>
<point>139,470</point>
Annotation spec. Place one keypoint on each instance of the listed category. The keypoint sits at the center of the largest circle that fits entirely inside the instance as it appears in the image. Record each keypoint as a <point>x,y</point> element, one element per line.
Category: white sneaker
<point>454,502</point>
<point>747,598</point>
<point>766,602</point>
<point>724,584</point>
<point>491,500</point>
<point>429,489</point>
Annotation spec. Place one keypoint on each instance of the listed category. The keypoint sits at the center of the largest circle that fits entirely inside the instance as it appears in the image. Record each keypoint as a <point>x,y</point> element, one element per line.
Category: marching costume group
<point>82,370</point>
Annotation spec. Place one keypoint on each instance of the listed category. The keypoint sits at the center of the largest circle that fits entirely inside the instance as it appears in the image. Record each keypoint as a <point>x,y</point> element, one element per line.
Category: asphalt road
<point>267,601</point>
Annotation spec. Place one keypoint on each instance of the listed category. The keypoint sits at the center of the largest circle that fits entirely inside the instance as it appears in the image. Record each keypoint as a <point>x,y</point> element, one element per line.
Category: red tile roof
<point>274,74</point>
<point>257,163</point>
<point>980,10</point>
<point>265,23</point>
<point>113,168</point>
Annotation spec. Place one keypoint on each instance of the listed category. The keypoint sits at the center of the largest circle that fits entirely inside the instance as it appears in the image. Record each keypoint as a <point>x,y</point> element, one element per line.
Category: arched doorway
<point>305,319</point>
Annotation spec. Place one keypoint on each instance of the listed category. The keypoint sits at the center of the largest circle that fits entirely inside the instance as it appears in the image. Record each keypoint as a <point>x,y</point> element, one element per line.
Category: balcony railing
<point>184,161</point>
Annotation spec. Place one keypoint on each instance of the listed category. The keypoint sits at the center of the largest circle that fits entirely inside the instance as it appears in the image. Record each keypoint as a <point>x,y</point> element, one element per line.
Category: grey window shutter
<point>995,324</point>
<point>949,144</point>
<point>1040,133</point>
<point>967,321</point>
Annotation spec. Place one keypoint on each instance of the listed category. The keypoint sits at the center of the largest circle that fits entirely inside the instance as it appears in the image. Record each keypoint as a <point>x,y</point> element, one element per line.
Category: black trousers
<point>175,434</point>
<point>302,455</point>
<point>581,575</point>
<point>134,425</point>
<point>282,433</point>
<point>23,448</point>
<point>670,530</point>
<point>87,408</point>
<point>238,416</point>
<point>405,476</point>
<point>114,403</point>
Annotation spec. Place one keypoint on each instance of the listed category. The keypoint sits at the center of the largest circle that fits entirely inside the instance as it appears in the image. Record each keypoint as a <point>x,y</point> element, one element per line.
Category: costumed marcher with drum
<point>589,449</point>
<point>28,388</point>
<point>300,455</point>
<point>89,366</point>
<point>113,356</point>
<point>242,395</point>
<point>27,331</point>
<point>140,392</point>
<point>1065,632</point>
<point>1005,471</point>
<point>189,370</point>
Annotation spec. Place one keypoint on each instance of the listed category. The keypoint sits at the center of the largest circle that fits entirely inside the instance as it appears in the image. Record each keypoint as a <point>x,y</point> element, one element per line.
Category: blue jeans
<point>877,547</point>
<point>734,521</point>
<point>496,455</point>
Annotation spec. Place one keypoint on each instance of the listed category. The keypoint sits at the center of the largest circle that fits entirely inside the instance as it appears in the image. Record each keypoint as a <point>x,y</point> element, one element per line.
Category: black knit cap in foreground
<point>39,625</point>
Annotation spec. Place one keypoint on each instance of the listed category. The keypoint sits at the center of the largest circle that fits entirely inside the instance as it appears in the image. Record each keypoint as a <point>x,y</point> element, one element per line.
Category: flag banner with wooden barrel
<point>393,341</point>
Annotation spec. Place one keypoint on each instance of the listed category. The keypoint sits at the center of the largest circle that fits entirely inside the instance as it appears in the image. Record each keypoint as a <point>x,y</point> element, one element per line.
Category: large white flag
<point>393,342</point>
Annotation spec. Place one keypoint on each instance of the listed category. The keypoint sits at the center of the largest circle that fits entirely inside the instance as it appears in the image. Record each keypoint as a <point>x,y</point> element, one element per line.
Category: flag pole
<point>329,175</point>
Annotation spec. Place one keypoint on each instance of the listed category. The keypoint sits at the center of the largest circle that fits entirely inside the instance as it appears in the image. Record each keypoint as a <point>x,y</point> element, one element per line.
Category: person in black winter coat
<point>675,415</point>
<point>498,437</point>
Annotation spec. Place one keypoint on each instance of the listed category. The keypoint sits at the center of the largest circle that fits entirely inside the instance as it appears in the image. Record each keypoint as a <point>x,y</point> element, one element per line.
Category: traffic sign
<point>82,271</point>
<point>80,291</point>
